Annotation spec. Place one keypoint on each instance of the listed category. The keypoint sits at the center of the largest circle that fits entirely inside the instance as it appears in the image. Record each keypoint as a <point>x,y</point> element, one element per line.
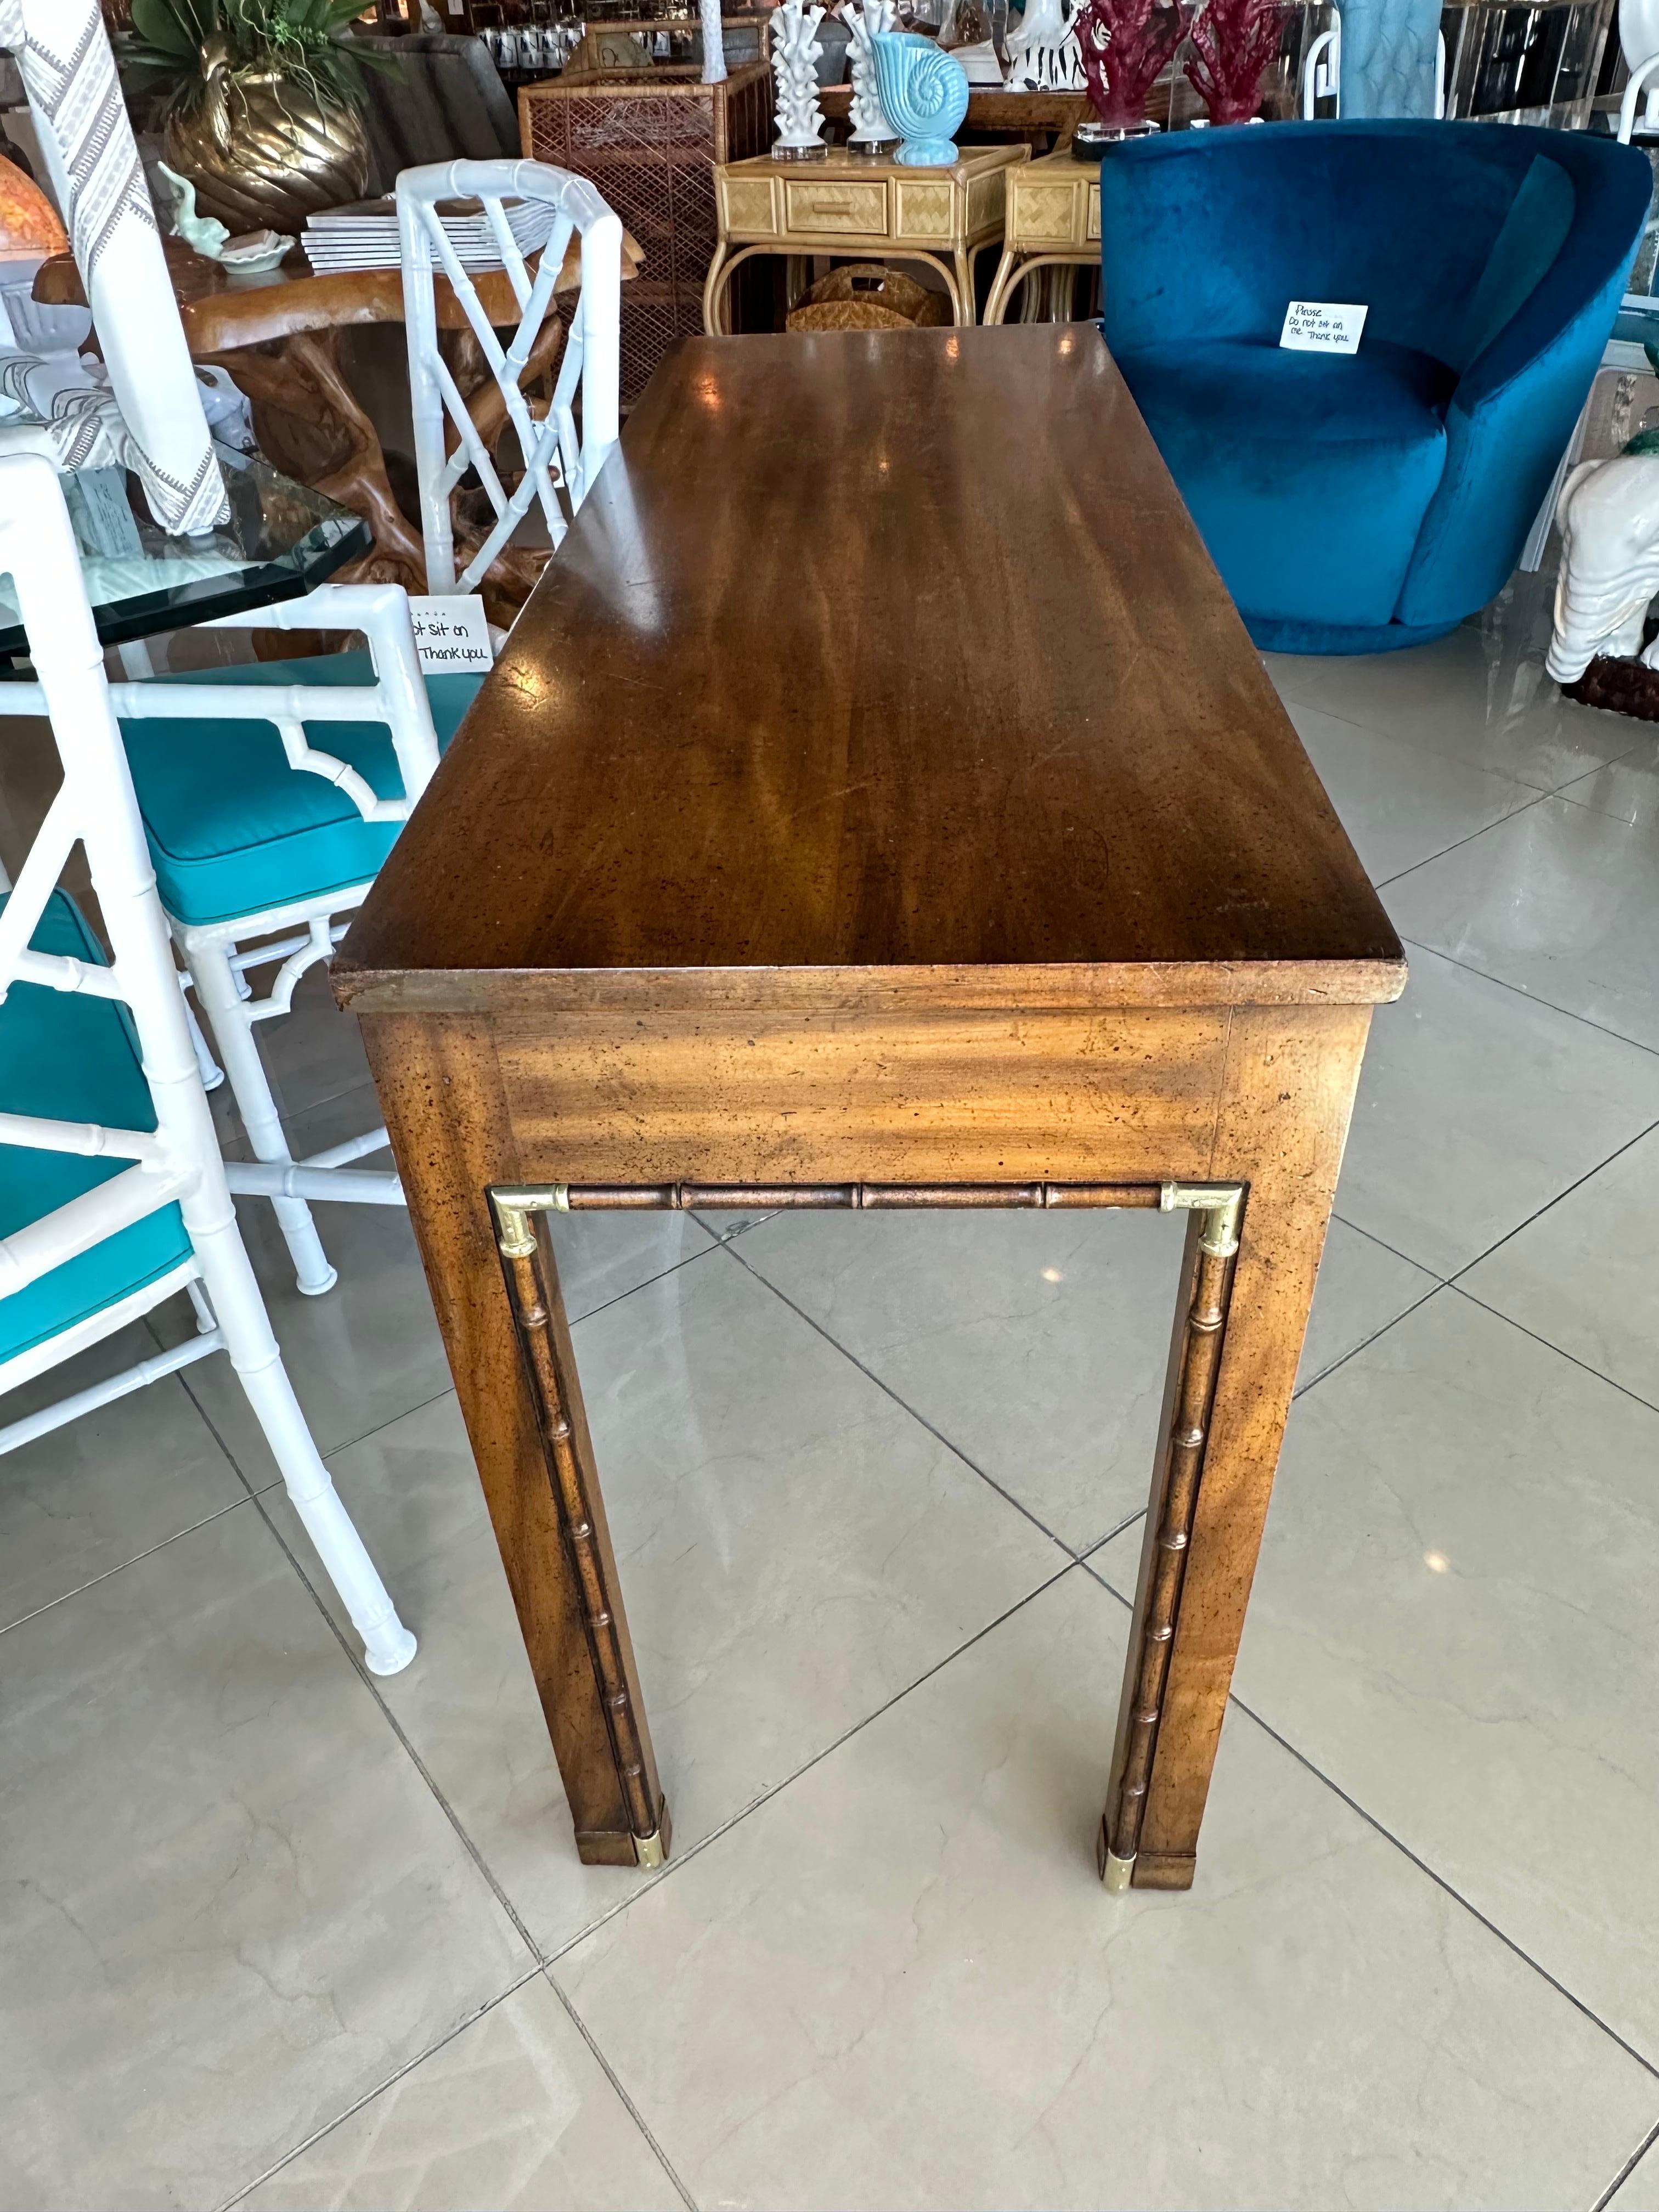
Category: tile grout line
<point>1387,730</point>
<point>421,1405</point>
<point>1576,1184</point>
<point>1414,744</point>
<point>633,2114</point>
<point>635,1288</point>
<point>1458,843</point>
<point>1371,1237</point>
<point>1582,1365</point>
<point>368,2096</point>
<point>1302,1389</point>
<point>921,1419</point>
<point>765,1796</point>
<point>256,1499</point>
<point>540,1959</point>
<point>1626,2169</point>
<point>1565,795</point>
<point>546,1960</point>
<point>1648,2065</point>
<point>1454,1282</point>
<point>1532,998</point>
<point>121,1565</point>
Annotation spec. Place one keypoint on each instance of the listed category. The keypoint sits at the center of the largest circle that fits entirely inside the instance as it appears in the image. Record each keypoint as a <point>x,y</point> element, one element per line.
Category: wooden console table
<point>1053,221</point>
<point>793,899</point>
<point>850,203</point>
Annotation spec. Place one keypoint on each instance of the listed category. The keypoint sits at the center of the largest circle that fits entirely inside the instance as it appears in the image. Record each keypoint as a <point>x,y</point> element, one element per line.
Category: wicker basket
<point>649,140</point>
<point>865,297</point>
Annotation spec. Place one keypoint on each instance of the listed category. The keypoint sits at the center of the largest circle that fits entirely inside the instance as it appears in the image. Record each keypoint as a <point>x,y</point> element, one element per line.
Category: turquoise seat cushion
<point>233,829</point>
<point>74,1059</point>
<point>1277,452</point>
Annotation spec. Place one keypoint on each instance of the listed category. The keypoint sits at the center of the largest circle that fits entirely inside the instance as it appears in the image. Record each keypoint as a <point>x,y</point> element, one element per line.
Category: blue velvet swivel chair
<point>1355,502</point>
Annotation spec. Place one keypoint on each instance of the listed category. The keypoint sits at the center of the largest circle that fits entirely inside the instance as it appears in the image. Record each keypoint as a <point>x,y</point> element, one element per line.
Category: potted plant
<point>263,104</point>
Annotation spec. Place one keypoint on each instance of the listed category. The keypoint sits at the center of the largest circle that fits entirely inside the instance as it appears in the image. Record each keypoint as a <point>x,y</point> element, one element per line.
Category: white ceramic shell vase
<point>924,95</point>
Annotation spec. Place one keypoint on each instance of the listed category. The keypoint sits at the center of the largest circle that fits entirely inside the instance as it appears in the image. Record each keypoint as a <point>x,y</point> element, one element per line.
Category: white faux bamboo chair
<point>561,458</point>
<point>264,843</point>
<point>271,793</point>
<point>97,1069</point>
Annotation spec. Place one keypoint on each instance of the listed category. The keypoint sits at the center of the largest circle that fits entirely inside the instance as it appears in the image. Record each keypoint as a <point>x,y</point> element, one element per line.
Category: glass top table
<point>281,540</point>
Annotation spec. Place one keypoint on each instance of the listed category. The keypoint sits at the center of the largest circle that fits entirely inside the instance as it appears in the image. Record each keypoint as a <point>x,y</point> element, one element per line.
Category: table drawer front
<point>850,208</point>
<point>786,1097</point>
<point>1092,234</point>
<point>749,207</point>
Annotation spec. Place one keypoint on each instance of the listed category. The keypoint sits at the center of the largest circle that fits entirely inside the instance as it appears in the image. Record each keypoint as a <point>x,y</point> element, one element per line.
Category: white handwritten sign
<point>1318,326</point>
<point>451,635</point>
<point>101,513</point>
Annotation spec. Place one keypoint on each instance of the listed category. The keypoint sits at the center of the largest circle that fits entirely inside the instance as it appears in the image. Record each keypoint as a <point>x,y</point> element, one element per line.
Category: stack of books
<point>364,235</point>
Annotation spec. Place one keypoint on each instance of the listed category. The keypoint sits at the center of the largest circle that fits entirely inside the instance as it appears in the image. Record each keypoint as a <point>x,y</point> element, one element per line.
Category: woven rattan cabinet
<point>651,147</point>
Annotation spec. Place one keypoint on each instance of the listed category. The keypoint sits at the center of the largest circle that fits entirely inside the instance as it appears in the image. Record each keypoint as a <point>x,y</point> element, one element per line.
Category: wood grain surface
<point>877,651</point>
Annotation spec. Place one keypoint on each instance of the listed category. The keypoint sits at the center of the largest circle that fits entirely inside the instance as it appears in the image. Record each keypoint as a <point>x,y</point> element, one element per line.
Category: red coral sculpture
<point>1234,41</point>
<point>1126,46</point>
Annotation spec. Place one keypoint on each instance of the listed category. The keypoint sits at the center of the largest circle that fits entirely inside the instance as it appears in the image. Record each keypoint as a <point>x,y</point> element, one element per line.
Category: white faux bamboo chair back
<point>561,458</point>
<point>95,806</point>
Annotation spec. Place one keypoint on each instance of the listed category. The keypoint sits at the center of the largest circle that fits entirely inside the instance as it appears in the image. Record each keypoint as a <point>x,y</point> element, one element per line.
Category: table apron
<point>930,1098</point>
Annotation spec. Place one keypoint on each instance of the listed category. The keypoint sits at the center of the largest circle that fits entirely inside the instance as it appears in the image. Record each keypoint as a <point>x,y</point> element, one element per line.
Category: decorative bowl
<point>924,95</point>
<point>36,328</point>
<point>255,255</point>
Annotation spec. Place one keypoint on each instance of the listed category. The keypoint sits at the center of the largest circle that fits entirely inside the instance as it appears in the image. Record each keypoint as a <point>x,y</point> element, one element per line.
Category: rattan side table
<point>848,204</point>
<point>1052,220</point>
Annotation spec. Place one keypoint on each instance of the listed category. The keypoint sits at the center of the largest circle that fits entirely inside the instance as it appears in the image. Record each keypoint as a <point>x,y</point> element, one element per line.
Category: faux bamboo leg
<point>539,1315</point>
<point>1200,1325</point>
<point>440,1090</point>
<point>1281,1120</point>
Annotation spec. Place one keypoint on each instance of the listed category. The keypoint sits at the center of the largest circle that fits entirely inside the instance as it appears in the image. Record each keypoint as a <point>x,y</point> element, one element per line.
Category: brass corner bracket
<point>1117,1874</point>
<point>1221,1203</point>
<point>514,1232</point>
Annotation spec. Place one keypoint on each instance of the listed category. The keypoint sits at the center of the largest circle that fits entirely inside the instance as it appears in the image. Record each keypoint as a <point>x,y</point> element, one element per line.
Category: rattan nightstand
<point>1053,221</point>
<point>848,204</point>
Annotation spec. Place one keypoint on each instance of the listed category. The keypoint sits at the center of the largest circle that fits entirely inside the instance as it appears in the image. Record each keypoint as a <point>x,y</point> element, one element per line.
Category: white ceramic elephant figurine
<point>1608,514</point>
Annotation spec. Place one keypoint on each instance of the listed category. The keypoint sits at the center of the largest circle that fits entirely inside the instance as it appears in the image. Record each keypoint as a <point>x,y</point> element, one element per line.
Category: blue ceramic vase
<point>924,95</point>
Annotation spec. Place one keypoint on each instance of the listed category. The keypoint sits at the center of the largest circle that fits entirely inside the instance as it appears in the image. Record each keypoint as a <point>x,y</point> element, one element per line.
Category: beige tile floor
<point>277,1934</point>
